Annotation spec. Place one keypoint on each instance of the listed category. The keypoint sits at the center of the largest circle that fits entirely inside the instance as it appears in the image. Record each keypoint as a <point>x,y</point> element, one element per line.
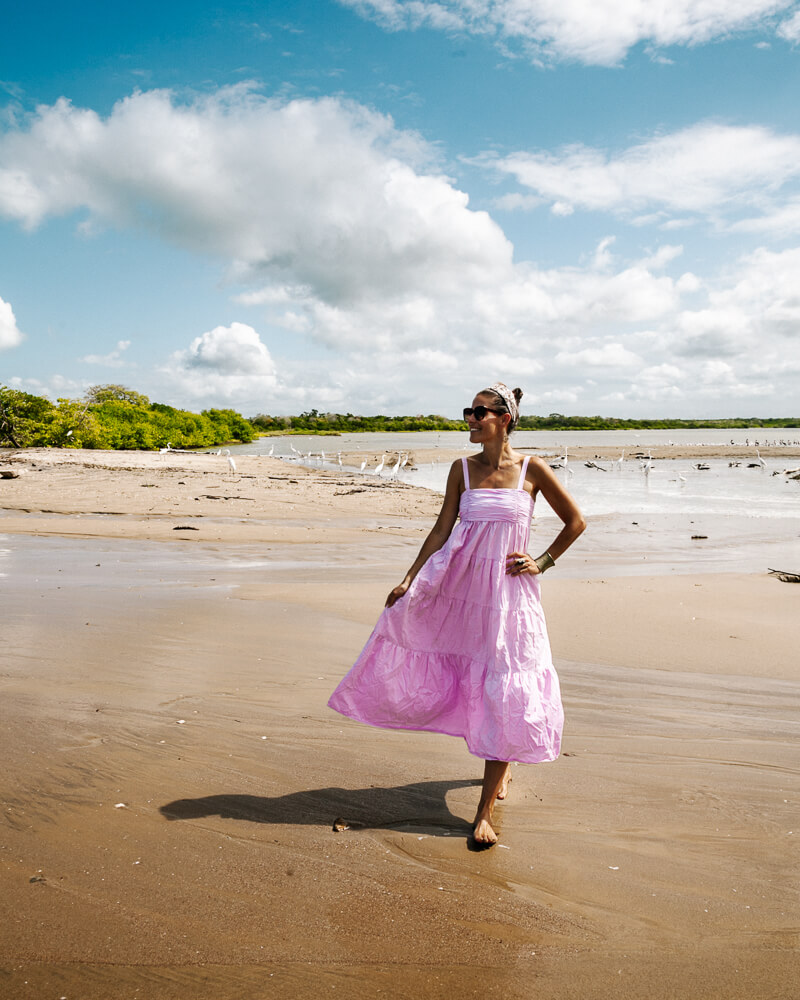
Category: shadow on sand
<point>418,806</point>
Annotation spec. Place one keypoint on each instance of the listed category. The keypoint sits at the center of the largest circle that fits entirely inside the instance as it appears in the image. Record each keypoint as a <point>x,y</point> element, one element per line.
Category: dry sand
<point>172,771</point>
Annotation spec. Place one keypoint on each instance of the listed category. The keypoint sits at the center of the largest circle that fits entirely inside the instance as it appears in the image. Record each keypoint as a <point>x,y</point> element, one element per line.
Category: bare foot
<point>503,793</point>
<point>483,832</point>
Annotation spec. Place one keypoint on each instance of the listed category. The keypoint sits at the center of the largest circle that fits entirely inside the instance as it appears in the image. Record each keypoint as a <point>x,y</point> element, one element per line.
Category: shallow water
<point>630,440</point>
<point>673,486</point>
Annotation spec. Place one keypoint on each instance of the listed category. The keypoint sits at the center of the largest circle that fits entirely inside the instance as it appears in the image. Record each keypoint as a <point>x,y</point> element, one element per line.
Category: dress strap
<point>466,473</point>
<point>523,474</point>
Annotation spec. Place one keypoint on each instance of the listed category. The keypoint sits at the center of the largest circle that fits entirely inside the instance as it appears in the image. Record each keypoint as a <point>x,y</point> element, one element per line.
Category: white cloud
<point>731,347</point>
<point>708,169</point>
<point>111,360</point>
<point>598,32</point>
<point>321,194</point>
<point>509,367</point>
<point>230,350</point>
<point>323,208</point>
<point>608,355</point>
<point>790,28</point>
<point>336,228</point>
<point>780,220</point>
<point>10,334</point>
<point>54,387</point>
<point>229,366</point>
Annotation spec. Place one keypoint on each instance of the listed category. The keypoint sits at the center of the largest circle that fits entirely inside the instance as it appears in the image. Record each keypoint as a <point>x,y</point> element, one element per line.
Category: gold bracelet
<point>545,562</point>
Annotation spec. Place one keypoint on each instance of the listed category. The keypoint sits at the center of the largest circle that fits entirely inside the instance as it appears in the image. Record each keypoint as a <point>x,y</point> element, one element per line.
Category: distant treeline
<point>314,422</point>
<point>112,416</point>
<point>559,422</point>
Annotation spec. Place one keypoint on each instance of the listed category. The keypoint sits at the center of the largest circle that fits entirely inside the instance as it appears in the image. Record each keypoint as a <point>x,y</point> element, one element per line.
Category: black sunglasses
<point>479,412</point>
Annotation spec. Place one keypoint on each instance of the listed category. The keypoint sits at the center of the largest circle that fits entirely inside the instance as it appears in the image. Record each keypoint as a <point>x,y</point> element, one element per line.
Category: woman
<point>461,647</point>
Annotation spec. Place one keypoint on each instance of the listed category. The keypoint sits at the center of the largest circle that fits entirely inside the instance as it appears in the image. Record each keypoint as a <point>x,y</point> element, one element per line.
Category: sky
<point>383,206</point>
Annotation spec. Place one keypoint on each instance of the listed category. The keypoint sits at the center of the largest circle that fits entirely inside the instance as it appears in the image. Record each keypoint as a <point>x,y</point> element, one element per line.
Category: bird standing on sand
<point>231,462</point>
<point>363,465</point>
<point>379,468</point>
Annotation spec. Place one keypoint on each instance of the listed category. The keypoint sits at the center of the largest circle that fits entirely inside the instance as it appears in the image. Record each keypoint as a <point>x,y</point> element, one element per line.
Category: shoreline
<point>172,770</point>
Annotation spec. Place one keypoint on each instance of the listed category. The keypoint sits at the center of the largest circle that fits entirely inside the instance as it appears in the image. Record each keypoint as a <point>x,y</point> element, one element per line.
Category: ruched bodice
<point>466,652</point>
<point>514,506</point>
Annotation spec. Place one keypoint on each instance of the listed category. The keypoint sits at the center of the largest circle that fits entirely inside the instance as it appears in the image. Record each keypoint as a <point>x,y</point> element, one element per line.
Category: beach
<point>172,631</point>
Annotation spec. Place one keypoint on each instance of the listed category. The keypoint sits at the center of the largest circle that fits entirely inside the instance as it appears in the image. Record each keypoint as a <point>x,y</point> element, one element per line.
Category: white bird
<point>339,457</point>
<point>322,458</point>
<point>161,451</point>
<point>761,461</point>
<point>69,434</point>
<point>405,460</point>
<point>363,465</point>
<point>396,467</point>
<point>379,468</point>
<point>570,472</point>
<point>681,477</point>
<point>231,462</point>
<point>272,451</point>
<point>618,461</point>
<point>648,465</point>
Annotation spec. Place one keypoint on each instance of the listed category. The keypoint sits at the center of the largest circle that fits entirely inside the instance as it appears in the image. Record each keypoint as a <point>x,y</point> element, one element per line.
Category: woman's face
<point>492,425</point>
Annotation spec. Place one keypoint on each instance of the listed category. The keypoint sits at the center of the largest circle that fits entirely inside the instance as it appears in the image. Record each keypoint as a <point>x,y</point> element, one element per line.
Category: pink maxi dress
<point>465,651</point>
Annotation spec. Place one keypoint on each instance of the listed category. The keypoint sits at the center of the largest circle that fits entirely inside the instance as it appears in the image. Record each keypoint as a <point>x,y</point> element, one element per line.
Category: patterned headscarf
<point>507,396</point>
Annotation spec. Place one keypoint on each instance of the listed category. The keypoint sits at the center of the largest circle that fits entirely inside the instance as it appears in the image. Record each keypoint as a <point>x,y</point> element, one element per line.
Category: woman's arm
<point>438,534</point>
<point>544,479</point>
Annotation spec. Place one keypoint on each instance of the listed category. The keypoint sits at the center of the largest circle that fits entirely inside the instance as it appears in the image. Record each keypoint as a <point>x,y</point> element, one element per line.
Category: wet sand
<point>172,772</point>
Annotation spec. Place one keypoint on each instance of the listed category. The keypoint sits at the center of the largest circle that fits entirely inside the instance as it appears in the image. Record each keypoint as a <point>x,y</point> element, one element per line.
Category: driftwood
<point>785,576</point>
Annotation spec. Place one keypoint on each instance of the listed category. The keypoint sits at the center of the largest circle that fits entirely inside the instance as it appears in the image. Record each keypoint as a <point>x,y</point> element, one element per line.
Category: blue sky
<point>383,205</point>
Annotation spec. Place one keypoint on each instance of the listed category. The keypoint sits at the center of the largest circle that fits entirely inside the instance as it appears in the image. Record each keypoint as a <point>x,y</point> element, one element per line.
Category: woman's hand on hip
<point>520,562</point>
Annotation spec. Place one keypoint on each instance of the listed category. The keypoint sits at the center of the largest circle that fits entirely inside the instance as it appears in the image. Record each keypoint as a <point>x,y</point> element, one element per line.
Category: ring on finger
<point>519,562</point>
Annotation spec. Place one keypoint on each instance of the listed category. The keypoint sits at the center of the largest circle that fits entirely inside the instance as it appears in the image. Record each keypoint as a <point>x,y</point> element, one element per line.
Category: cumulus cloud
<point>338,228</point>
<point>324,195</point>
<point>10,334</point>
<point>597,32</point>
<point>732,346</point>
<point>54,387</point>
<point>608,355</point>
<point>790,28</point>
<point>113,359</point>
<point>708,169</point>
<point>330,216</point>
<point>779,220</point>
<point>229,365</point>
<point>229,350</point>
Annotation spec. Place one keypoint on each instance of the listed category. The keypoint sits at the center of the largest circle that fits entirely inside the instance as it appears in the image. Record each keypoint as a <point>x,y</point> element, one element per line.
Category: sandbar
<point>172,771</point>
